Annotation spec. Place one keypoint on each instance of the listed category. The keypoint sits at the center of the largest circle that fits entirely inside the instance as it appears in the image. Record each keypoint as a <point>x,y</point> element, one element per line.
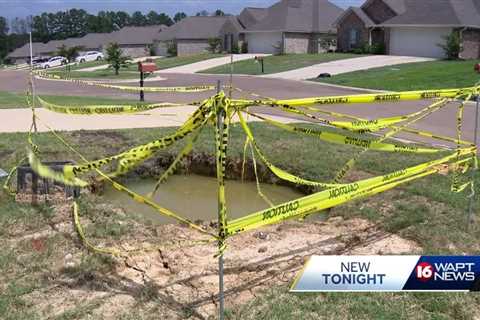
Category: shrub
<point>235,48</point>
<point>244,48</point>
<point>172,49</point>
<point>452,46</point>
<point>215,45</point>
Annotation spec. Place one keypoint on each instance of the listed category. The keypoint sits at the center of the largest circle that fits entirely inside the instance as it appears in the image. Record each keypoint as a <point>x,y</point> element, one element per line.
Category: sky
<point>22,8</point>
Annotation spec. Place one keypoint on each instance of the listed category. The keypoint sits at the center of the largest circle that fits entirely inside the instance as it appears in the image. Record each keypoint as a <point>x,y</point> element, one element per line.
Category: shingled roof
<point>195,28</point>
<point>137,35</point>
<point>251,16</point>
<point>453,13</point>
<point>306,16</point>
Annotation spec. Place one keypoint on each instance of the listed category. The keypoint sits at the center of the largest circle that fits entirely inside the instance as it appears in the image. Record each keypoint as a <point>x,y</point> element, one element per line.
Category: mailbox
<point>147,67</point>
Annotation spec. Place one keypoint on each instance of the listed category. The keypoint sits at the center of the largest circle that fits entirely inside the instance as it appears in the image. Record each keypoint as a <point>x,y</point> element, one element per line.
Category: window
<point>353,37</point>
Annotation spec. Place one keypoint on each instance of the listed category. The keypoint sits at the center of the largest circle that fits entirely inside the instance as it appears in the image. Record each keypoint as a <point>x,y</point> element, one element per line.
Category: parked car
<point>54,62</point>
<point>37,61</point>
<point>90,56</point>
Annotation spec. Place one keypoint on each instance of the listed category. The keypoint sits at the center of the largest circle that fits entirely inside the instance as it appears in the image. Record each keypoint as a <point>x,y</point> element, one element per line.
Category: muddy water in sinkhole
<point>195,197</point>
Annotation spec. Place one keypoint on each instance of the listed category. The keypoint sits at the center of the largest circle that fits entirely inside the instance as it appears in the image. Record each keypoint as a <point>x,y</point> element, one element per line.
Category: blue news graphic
<point>389,273</point>
<point>445,273</point>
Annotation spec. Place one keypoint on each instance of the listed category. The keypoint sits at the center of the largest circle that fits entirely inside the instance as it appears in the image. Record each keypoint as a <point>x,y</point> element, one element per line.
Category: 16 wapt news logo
<point>398,273</point>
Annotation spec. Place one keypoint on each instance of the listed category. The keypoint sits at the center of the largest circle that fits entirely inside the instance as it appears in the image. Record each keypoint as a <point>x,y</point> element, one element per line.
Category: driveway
<point>344,66</point>
<point>210,63</point>
<point>441,122</point>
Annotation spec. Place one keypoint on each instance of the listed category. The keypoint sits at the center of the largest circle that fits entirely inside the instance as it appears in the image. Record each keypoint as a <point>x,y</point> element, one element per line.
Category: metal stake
<point>221,294</point>
<point>472,198</point>
<point>142,94</point>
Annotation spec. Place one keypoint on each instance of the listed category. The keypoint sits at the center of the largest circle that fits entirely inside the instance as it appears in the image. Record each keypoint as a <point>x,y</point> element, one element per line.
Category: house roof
<point>196,28</point>
<point>398,6</point>
<point>250,16</point>
<point>136,35</point>
<point>455,13</point>
<point>24,51</point>
<point>359,13</point>
<point>299,16</point>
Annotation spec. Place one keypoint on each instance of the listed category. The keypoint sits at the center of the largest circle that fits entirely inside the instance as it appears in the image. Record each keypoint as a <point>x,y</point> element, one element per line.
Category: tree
<point>152,18</point>
<point>179,16</point>
<point>115,57</point>
<point>69,52</point>
<point>214,45</point>
<point>3,26</point>
<point>40,29</point>
<point>121,20</point>
<point>138,19</point>
<point>452,46</point>
<point>219,12</point>
<point>202,13</point>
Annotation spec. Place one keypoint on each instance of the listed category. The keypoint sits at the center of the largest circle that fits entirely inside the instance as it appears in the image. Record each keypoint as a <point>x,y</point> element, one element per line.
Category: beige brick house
<point>411,27</point>
<point>288,26</point>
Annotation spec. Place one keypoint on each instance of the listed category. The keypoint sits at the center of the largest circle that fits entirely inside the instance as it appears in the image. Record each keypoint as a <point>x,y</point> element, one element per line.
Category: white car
<point>90,56</point>
<point>54,62</point>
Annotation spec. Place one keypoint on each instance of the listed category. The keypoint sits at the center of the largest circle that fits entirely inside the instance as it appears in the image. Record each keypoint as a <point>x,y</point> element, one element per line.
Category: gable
<point>378,11</point>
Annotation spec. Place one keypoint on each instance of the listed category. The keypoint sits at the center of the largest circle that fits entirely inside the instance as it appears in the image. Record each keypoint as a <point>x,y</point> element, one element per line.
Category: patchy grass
<point>99,74</point>
<point>280,63</point>
<point>18,100</point>
<point>411,76</point>
<point>424,211</point>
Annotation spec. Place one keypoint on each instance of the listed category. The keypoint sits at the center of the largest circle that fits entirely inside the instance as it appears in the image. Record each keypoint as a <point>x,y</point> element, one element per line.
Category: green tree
<point>115,57</point>
<point>138,19</point>
<point>69,52</point>
<point>179,16</point>
<point>40,28</point>
<point>219,12</point>
<point>202,13</point>
<point>122,19</point>
<point>452,46</point>
<point>3,26</point>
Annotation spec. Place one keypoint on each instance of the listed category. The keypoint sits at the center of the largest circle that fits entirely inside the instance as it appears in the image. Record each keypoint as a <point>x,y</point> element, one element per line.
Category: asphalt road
<point>442,122</point>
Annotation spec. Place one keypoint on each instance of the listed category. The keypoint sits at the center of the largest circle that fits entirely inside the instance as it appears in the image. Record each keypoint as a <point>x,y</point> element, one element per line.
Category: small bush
<point>215,45</point>
<point>235,48</point>
<point>244,48</point>
<point>452,46</point>
<point>172,49</point>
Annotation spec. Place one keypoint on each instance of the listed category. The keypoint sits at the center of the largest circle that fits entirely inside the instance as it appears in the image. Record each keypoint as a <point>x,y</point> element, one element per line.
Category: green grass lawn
<point>17,100</point>
<point>411,76</point>
<point>280,63</point>
<point>424,211</point>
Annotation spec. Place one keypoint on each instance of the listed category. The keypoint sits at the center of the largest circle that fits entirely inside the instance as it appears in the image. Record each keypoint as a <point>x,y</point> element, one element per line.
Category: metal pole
<point>475,139</point>
<point>142,94</point>
<point>221,294</point>
<point>32,78</point>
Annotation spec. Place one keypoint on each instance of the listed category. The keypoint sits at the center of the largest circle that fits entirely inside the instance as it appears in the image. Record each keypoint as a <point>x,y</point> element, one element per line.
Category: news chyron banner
<point>389,273</point>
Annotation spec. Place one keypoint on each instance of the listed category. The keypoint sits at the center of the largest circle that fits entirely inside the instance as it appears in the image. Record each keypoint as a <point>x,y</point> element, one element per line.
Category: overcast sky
<point>23,8</point>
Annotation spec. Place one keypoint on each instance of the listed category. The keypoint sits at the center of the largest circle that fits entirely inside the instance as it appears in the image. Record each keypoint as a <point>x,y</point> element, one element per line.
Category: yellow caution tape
<point>103,109</point>
<point>282,174</point>
<point>361,98</point>
<point>348,140</point>
<point>424,113</point>
<point>186,89</point>
<point>46,172</point>
<point>129,159</point>
<point>171,169</point>
<point>334,197</point>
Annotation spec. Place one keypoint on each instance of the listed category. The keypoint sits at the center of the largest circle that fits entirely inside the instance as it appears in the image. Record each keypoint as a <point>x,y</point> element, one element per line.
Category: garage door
<point>263,42</point>
<point>418,42</point>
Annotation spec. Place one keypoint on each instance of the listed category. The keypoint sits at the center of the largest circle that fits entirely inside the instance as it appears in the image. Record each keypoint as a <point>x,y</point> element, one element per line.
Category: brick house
<point>190,35</point>
<point>288,26</point>
<point>411,27</point>
<point>134,42</point>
